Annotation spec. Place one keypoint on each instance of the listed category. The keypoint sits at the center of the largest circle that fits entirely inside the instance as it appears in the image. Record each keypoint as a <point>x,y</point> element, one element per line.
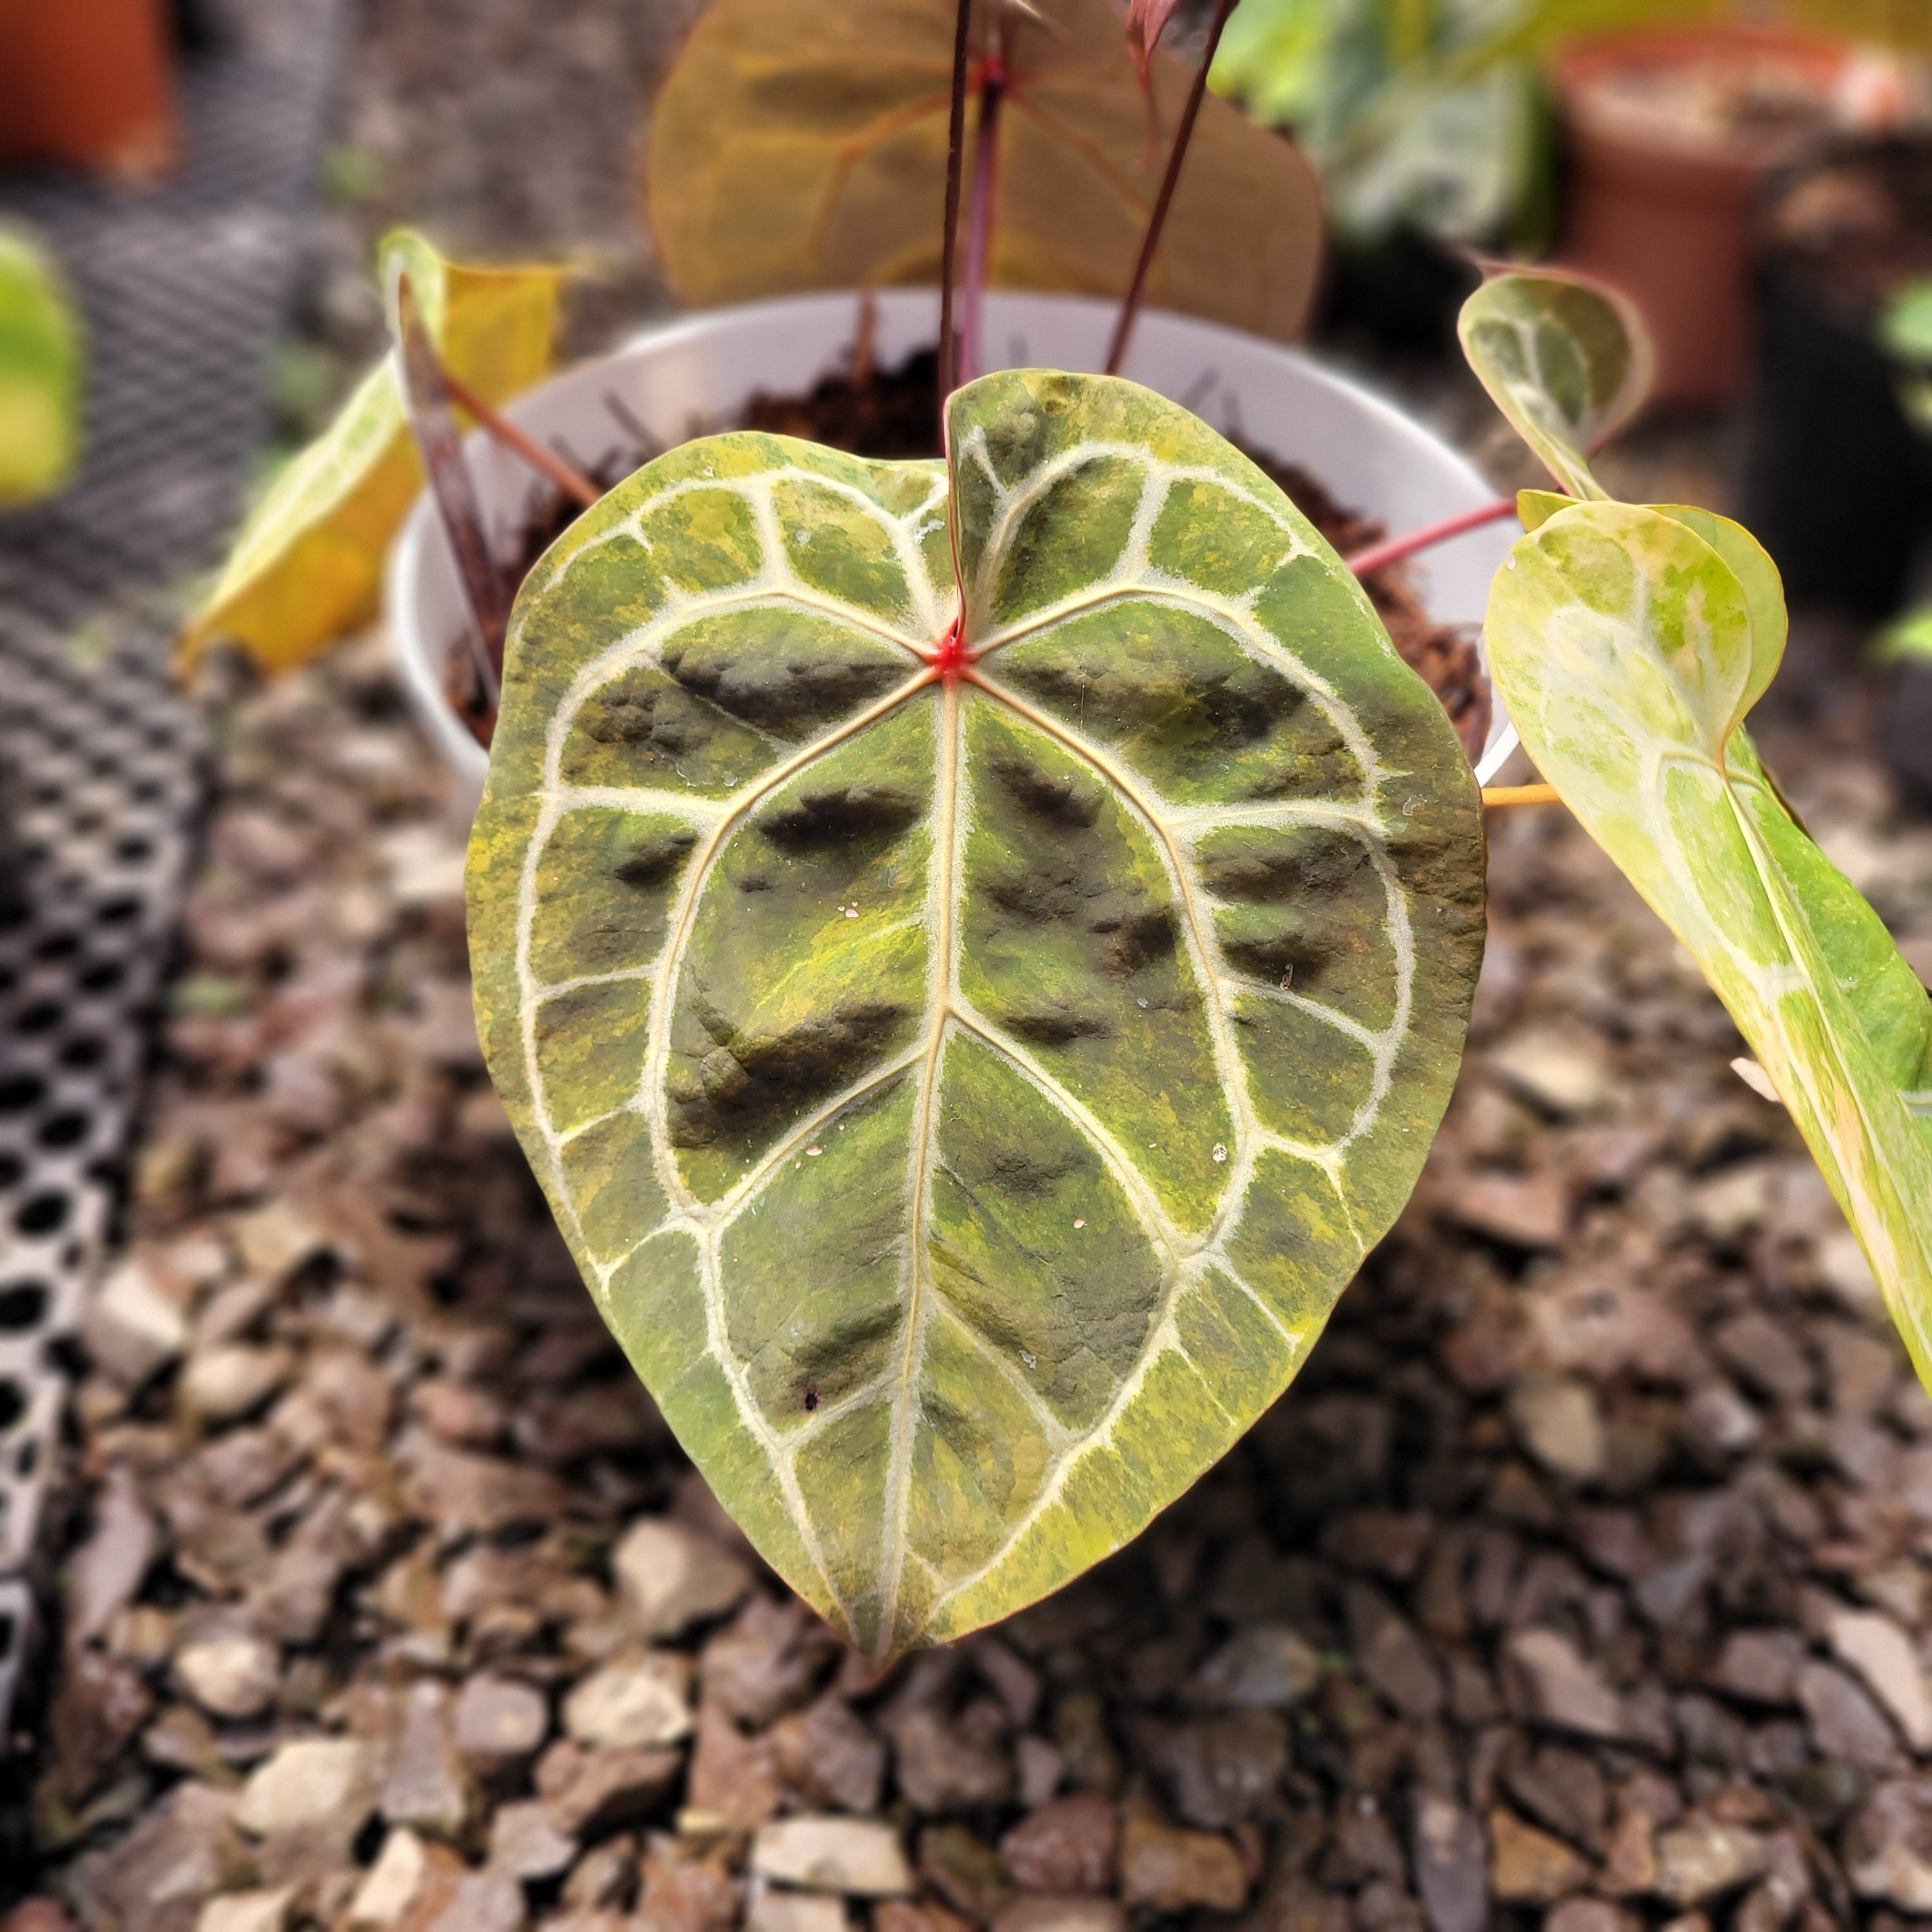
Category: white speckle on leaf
<point>812,1153</point>
<point>1142,1004</point>
<point>1028,1360</point>
<point>1220,1155</point>
<point>802,536</point>
<point>1080,1224</point>
<point>707,472</point>
<point>1512,563</point>
<point>851,912</point>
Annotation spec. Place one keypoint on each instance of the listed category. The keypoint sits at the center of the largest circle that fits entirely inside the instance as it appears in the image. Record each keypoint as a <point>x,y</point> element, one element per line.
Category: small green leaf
<point>1565,360</point>
<point>1627,644</point>
<point>1534,508</point>
<point>39,373</point>
<point>306,565</point>
<point>967,1092</point>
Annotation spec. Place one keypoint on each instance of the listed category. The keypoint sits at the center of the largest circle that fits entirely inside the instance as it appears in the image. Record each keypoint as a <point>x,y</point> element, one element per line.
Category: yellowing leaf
<point>308,563</point>
<point>796,148</point>
<point>39,373</point>
<point>1628,643</point>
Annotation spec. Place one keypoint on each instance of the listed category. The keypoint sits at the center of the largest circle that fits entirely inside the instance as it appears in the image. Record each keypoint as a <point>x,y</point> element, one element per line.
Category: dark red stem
<point>955,153</point>
<point>545,462</point>
<point>1130,307</point>
<point>979,211</point>
<point>1396,548</point>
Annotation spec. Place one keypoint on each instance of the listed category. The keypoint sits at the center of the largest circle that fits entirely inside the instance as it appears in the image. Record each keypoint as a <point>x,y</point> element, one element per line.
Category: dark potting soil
<point>1852,223</point>
<point>891,413</point>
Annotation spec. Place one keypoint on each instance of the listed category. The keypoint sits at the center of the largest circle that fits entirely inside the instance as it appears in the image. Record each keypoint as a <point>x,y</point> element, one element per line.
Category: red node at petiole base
<point>952,655</point>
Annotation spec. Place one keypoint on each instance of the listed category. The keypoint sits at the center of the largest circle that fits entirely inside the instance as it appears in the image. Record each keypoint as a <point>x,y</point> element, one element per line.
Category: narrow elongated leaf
<point>966,1060</point>
<point>39,372</point>
<point>1627,644</point>
<point>799,147</point>
<point>1565,360</point>
<point>307,564</point>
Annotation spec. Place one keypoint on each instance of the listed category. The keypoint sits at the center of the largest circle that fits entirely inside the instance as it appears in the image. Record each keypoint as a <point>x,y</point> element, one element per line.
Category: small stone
<point>685,1893</point>
<point>965,1871</point>
<point>1888,1846</point>
<point>767,1660</point>
<point>427,1786</point>
<point>589,1791</point>
<point>1881,1653</point>
<point>277,1238</point>
<point>825,1751</point>
<point>1065,1847</point>
<point>1451,1865</point>
<point>1846,1725</point>
<point>606,1875</point>
<point>941,1770</point>
<point>1264,1666</point>
<point>1589,1914</point>
<point>1564,1790</point>
<point>324,1786</point>
<point>261,1911</point>
<point>638,1702</point>
<point>1519,1211</point>
<point>1038,1769</point>
<point>1759,1665</point>
<point>104,1572</point>
<point>224,1383</point>
<point>484,1901</point>
<point>1702,1859</point>
<point>1720,1417</point>
<point>133,1328</point>
<point>905,1915</point>
<point>1391,1656</point>
<point>1565,1689</point>
<point>1726,1208</point>
<point>227,1669</point>
<point>1172,1870</point>
<point>1223,1770</point>
<point>500,1724</point>
<point>524,1844</point>
<point>772,1910</point>
<point>409,1883</point>
<point>855,1856</point>
<point>1765,1356</point>
<point>1527,1867</point>
<point>1560,1423</point>
<point>1563,1074</point>
<point>669,1577</point>
<point>1061,1915</point>
<point>734,1779</point>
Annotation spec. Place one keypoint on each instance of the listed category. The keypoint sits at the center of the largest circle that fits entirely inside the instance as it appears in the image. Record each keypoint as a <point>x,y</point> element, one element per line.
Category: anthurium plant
<point>976,953</point>
<point>1628,642</point>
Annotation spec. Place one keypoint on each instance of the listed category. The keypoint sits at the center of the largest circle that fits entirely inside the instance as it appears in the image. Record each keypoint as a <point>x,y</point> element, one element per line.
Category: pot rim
<point>414,654</point>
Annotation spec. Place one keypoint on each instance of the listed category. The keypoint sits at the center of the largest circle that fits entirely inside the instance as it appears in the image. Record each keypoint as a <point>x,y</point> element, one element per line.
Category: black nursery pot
<point>1837,485</point>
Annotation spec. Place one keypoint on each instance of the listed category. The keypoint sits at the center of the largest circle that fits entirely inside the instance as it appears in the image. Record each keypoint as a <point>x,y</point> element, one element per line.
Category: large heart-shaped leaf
<point>1564,359</point>
<point>307,564</point>
<point>39,372</point>
<point>967,1060</point>
<point>1628,643</point>
<point>805,147</point>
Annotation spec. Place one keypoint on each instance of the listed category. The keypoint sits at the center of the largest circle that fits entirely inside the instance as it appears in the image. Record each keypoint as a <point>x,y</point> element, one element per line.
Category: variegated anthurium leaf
<point>1628,643</point>
<point>39,372</point>
<point>1563,358</point>
<point>967,1063</point>
<point>307,564</point>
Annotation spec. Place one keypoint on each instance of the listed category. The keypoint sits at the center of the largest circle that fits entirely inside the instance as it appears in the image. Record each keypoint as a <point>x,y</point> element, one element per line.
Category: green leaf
<point>966,1094</point>
<point>1565,360</point>
<point>39,373</point>
<point>1627,644</point>
<point>307,564</point>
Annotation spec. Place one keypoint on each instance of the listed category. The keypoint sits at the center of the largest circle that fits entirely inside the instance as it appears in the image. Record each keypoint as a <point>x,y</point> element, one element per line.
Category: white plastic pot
<point>697,374</point>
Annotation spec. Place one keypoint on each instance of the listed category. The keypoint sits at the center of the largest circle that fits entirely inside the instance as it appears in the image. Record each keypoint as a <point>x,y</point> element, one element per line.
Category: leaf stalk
<point>1124,328</point>
<point>955,155</point>
<point>1395,548</point>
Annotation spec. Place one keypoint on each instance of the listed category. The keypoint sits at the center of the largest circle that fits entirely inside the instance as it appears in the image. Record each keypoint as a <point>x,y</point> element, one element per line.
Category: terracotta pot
<point>1660,208</point>
<point>88,83</point>
<point>685,376</point>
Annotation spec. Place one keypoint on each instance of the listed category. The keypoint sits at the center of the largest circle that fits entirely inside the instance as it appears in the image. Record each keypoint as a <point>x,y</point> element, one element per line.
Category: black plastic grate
<point>183,291</point>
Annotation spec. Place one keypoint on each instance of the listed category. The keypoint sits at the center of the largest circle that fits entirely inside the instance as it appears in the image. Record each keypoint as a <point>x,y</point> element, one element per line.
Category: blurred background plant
<point>39,372</point>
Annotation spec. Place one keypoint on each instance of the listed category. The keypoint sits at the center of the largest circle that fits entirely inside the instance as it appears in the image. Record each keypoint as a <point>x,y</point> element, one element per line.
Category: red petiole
<point>1395,548</point>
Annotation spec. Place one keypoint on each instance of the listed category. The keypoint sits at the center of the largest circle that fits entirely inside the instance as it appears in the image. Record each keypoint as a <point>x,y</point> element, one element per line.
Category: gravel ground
<point>1579,1583</point>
